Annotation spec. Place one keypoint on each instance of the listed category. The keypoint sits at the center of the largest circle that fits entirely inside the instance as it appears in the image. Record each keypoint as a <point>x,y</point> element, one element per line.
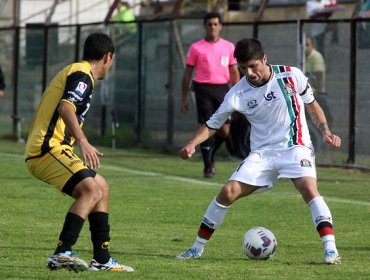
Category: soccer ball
<point>259,243</point>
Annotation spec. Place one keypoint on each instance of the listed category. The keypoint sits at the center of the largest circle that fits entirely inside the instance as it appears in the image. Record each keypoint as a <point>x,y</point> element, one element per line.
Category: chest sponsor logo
<point>283,75</point>
<point>80,89</point>
<point>252,104</point>
<point>224,60</point>
<point>270,96</point>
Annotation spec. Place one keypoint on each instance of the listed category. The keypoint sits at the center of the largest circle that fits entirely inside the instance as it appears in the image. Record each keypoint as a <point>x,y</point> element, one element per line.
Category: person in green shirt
<point>125,14</point>
<point>314,69</point>
<point>314,66</point>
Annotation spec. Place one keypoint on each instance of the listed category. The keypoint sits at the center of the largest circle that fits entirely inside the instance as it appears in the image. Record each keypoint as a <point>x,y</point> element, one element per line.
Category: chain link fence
<point>139,102</point>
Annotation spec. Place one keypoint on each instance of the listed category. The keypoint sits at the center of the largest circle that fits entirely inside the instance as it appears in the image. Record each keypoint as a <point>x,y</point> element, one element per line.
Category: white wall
<point>67,12</point>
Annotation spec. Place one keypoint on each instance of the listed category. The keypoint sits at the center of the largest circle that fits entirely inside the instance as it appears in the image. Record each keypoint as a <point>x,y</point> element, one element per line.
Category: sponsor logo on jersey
<point>252,104</point>
<point>80,89</point>
<point>282,75</point>
<point>72,99</point>
<point>74,96</point>
<point>224,60</point>
<point>208,222</point>
<point>270,96</point>
<point>305,163</point>
<point>240,93</point>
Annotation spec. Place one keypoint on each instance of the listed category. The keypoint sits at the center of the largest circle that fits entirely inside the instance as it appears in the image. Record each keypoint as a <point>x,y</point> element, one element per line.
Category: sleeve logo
<point>80,89</point>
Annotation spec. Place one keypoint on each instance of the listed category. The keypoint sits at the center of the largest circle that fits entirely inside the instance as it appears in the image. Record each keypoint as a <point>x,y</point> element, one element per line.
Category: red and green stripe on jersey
<point>289,91</point>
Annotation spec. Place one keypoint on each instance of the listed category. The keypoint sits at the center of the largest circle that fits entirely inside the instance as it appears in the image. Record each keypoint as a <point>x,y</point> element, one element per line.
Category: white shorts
<point>264,168</point>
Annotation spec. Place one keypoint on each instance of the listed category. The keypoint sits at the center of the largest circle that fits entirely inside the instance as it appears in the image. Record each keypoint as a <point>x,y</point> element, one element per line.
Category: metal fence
<point>142,93</point>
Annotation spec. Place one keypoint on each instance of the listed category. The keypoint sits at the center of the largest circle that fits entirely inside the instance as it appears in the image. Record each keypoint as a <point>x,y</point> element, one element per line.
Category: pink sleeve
<point>232,58</point>
<point>191,56</point>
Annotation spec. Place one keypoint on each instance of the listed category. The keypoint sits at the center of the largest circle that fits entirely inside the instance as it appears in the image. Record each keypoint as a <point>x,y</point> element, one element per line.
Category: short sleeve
<point>78,86</point>
<point>303,87</point>
<point>232,59</point>
<point>191,56</point>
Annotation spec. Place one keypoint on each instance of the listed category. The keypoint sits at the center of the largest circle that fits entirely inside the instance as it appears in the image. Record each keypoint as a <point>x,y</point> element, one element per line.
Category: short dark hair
<point>212,15</point>
<point>247,49</point>
<point>311,38</point>
<point>97,45</point>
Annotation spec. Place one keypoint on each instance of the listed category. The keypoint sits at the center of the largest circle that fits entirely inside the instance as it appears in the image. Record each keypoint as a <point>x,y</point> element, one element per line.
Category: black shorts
<point>208,98</point>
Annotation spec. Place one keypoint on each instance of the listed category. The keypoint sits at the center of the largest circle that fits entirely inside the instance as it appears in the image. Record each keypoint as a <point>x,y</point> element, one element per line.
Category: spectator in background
<point>362,10</point>
<point>215,67</point>
<point>124,14</point>
<point>315,69</point>
<point>314,66</point>
<point>2,83</point>
<point>322,9</point>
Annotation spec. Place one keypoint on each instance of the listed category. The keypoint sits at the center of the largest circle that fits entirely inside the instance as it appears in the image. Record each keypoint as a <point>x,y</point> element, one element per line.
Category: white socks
<point>320,213</point>
<point>212,220</point>
<point>329,243</point>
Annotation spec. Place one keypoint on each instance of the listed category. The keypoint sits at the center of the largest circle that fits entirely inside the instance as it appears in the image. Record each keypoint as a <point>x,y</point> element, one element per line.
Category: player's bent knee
<point>228,194</point>
<point>103,184</point>
<point>89,188</point>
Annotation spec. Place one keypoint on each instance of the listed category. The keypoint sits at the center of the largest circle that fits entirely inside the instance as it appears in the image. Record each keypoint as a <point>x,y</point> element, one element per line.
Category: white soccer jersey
<point>275,109</point>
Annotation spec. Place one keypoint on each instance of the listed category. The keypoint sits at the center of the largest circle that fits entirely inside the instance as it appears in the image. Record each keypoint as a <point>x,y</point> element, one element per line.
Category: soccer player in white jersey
<point>274,99</point>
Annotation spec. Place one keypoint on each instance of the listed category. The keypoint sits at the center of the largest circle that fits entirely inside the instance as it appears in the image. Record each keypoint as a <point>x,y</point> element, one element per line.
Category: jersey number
<point>68,153</point>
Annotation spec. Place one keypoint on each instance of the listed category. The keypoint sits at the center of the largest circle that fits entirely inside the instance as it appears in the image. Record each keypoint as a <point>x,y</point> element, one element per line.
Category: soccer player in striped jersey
<point>274,99</point>
<point>56,126</point>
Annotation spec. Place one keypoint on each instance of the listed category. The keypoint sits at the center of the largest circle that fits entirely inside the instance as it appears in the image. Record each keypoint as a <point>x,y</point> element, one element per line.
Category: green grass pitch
<point>157,202</point>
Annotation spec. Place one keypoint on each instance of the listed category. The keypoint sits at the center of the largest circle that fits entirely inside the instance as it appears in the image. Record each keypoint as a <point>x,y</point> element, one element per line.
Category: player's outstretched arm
<point>200,136</point>
<point>318,118</point>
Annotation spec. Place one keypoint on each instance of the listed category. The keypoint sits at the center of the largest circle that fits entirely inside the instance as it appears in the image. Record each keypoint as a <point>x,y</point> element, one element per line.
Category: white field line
<point>160,175</point>
<point>200,182</point>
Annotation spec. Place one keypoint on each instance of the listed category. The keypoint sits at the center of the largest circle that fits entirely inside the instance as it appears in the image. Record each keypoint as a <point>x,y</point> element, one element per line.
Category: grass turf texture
<point>157,202</point>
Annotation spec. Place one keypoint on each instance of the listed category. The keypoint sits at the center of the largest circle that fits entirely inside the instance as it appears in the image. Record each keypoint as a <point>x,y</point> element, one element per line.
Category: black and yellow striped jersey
<point>74,84</point>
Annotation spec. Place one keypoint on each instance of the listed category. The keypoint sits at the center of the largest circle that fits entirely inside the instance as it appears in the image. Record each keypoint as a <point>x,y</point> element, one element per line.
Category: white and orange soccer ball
<point>259,243</point>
